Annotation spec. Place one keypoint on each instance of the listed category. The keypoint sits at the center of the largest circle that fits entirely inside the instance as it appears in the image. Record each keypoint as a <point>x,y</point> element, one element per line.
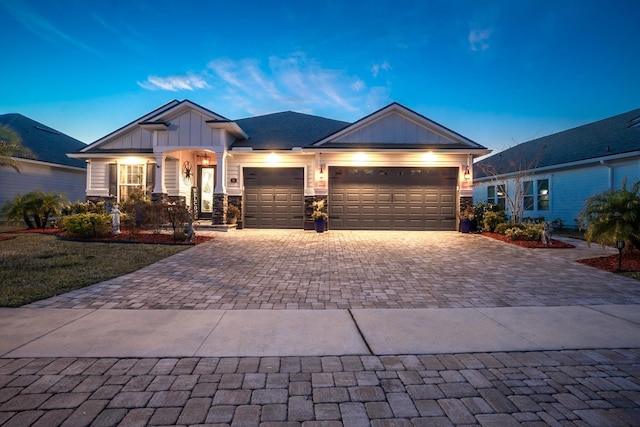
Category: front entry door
<point>207,183</point>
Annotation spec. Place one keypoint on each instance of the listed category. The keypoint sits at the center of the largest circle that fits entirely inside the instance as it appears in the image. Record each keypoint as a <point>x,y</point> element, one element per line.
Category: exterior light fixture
<point>620,244</point>
<point>467,174</point>
<point>321,172</point>
<point>428,157</point>
<point>273,159</point>
<point>205,159</point>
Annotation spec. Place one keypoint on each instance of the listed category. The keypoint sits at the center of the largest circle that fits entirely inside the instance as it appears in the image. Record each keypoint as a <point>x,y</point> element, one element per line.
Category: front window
<point>131,179</point>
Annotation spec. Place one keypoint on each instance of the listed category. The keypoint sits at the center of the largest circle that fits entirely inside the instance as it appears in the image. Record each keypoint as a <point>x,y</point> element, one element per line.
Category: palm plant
<point>613,215</point>
<point>11,146</point>
<point>34,208</point>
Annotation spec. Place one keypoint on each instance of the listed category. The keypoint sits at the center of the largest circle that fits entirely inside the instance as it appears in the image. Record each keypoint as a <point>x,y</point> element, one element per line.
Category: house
<point>50,170</point>
<point>556,173</point>
<point>393,169</point>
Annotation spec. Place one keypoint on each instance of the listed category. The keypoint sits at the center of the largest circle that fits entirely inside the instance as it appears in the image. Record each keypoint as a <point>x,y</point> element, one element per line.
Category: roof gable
<point>160,118</point>
<point>612,136</point>
<point>396,126</point>
<point>48,144</point>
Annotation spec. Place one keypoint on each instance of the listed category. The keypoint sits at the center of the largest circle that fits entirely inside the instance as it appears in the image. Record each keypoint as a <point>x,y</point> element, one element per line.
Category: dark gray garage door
<point>273,197</point>
<point>389,198</point>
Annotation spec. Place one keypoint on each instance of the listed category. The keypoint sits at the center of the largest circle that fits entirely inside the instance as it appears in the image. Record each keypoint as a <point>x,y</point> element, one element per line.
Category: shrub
<point>524,231</point>
<point>613,215</point>
<point>492,219</point>
<point>87,224</point>
<point>34,208</point>
<point>502,228</point>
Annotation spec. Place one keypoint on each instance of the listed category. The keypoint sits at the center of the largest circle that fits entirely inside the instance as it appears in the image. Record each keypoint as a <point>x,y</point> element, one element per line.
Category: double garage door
<point>383,198</point>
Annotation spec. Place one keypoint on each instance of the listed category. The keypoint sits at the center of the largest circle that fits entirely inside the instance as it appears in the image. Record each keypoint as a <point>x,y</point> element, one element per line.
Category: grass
<point>35,266</point>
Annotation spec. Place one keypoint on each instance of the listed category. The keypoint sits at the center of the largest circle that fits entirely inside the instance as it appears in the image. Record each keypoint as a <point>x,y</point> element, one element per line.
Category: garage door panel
<point>392,198</point>
<point>274,197</point>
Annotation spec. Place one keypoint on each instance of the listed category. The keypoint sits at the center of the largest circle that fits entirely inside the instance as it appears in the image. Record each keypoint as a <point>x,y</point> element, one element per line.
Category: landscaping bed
<point>555,244</point>
<point>125,236</point>
<point>630,262</point>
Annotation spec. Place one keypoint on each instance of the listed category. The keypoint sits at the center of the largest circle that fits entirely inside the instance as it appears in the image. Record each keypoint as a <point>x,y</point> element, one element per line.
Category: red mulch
<point>555,244</point>
<point>630,259</point>
<point>123,237</point>
<point>630,262</point>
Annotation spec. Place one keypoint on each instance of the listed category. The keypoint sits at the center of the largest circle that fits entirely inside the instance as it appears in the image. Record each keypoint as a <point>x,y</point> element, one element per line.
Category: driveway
<point>292,269</point>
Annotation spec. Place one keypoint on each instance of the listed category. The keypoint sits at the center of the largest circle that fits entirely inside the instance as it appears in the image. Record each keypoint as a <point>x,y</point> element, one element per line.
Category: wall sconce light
<point>205,159</point>
<point>467,174</point>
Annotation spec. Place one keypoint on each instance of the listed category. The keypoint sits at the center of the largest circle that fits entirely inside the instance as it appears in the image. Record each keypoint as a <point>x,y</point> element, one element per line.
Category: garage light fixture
<point>273,159</point>
<point>467,174</point>
<point>428,157</point>
<point>360,158</point>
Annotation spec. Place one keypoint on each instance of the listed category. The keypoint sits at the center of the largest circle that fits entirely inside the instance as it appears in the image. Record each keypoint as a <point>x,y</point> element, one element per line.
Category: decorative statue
<point>547,228</point>
<point>189,231</point>
<point>115,220</point>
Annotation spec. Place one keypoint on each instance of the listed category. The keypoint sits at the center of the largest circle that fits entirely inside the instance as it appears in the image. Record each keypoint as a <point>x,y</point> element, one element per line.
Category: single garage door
<point>390,198</point>
<point>273,197</point>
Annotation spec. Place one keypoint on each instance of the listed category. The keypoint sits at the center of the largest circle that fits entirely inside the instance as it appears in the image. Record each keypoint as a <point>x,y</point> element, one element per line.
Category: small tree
<point>613,215</point>
<point>34,208</point>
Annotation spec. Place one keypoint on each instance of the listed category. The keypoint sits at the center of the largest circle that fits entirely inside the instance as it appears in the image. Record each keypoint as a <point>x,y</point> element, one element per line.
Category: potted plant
<point>233,213</point>
<point>319,216</point>
<point>466,220</point>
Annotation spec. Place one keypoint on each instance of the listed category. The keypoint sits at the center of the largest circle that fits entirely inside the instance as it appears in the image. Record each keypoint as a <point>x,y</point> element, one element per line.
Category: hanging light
<point>205,159</point>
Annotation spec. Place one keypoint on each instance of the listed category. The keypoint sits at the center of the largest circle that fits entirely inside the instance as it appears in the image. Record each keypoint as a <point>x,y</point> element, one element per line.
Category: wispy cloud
<point>376,68</point>
<point>479,39</point>
<point>40,26</point>
<point>294,82</point>
<point>174,83</point>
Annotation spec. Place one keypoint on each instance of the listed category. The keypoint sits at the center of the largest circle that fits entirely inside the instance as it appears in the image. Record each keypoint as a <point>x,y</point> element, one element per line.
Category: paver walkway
<point>566,388</point>
<point>268,270</point>
<point>291,269</point>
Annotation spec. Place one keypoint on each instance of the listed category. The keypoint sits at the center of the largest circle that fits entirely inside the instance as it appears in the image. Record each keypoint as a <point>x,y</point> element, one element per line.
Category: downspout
<point>605,164</point>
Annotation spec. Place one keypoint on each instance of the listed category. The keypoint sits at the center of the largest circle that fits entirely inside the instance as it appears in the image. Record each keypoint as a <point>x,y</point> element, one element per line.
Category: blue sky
<point>498,72</point>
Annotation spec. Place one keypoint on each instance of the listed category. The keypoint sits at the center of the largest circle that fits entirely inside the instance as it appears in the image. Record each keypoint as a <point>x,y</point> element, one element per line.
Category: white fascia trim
<point>40,162</point>
<point>595,160</point>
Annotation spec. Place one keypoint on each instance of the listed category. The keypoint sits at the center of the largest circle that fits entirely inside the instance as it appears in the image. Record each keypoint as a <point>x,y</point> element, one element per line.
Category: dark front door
<point>273,197</point>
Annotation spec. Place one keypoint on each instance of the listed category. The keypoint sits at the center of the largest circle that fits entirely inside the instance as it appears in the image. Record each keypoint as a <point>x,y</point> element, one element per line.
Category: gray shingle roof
<point>614,135</point>
<point>48,144</point>
<point>285,130</point>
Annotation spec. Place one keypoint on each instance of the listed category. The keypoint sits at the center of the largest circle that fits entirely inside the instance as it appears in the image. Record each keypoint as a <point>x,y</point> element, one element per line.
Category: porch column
<point>220,198</point>
<point>159,189</point>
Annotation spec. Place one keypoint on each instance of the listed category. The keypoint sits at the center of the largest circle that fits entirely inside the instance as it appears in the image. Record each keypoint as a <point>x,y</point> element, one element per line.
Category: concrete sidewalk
<point>29,332</point>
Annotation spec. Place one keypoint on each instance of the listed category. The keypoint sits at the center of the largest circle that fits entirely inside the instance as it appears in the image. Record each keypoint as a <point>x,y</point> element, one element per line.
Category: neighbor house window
<point>536,195</point>
<point>543,194</point>
<point>527,200</point>
<point>496,195</point>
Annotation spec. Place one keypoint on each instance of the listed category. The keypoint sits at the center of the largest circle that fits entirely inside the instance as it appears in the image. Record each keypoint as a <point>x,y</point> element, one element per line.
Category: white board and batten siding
<point>394,128</point>
<point>190,130</point>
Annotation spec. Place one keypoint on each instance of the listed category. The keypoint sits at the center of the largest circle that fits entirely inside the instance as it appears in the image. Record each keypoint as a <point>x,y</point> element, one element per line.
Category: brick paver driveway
<point>292,269</point>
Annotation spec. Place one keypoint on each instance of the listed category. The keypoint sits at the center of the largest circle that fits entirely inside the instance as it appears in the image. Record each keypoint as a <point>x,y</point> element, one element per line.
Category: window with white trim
<point>131,179</point>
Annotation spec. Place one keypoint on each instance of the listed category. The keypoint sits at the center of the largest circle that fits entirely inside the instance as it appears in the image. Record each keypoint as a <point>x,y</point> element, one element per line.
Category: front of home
<point>393,169</point>
<point>555,174</point>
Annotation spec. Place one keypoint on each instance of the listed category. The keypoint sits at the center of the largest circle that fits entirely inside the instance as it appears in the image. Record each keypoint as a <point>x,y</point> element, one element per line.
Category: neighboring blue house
<point>558,172</point>
<point>50,170</point>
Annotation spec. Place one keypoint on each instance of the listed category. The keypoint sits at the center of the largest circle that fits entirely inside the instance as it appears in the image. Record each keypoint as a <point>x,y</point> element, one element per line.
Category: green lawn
<point>36,266</point>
